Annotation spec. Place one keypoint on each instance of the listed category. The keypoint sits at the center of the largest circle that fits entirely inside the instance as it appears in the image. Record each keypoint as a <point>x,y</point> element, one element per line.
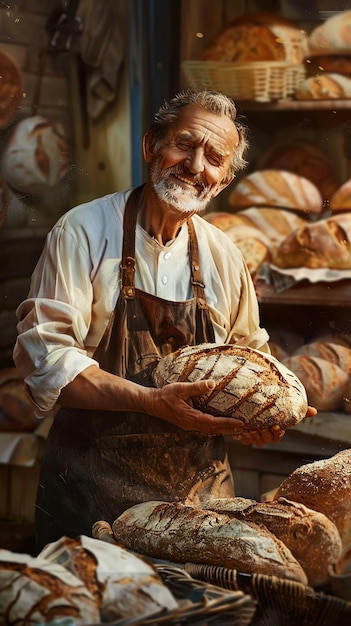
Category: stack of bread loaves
<point>329,46</point>
<point>265,207</point>
<point>83,580</point>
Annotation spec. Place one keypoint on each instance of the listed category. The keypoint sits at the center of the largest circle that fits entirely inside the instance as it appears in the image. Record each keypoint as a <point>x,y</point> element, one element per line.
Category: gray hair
<point>210,100</point>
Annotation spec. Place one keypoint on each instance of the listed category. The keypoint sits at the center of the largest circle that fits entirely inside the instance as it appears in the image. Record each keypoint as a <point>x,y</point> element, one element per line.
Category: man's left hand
<point>268,435</point>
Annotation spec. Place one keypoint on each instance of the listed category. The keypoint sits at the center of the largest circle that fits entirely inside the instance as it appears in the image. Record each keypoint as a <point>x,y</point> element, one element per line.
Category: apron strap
<point>128,251</point>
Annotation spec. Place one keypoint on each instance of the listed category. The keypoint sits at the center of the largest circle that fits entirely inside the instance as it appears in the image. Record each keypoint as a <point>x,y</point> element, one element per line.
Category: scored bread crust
<point>311,536</point>
<point>325,486</point>
<point>180,533</point>
<point>251,386</point>
<point>35,591</point>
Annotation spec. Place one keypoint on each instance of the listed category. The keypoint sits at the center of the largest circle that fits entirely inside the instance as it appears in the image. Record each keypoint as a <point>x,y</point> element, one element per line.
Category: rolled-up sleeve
<point>53,322</point>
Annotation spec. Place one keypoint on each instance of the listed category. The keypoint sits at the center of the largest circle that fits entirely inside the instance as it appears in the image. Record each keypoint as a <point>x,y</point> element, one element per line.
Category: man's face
<point>193,164</point>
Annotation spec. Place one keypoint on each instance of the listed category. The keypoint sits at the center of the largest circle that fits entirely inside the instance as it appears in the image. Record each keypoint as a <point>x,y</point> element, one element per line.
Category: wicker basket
<point>280,601</point>
<point>261,81</point>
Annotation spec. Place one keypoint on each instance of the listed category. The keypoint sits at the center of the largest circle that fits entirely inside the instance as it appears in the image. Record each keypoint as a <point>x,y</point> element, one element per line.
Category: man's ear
<point>148,151</point>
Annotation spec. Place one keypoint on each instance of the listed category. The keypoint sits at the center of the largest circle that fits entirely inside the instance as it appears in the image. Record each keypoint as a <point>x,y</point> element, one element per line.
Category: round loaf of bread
<point>333,36</point>
<point>324,486</point>
<point>324,381</point>
<point>258,37</point>
<point>251,386</point>
<point>36,156</point>
<point>324,87</point>
<point>35,591</point>
<point>341,198</point>
<point>276,188</point>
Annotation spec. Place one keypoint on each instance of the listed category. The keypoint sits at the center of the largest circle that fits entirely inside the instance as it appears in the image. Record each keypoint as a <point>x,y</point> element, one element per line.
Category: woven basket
<point>280,601</point>
<point>262,81</point>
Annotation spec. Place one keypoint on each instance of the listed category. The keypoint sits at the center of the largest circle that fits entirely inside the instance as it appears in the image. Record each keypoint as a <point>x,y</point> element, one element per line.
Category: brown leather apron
<point>98,463</point>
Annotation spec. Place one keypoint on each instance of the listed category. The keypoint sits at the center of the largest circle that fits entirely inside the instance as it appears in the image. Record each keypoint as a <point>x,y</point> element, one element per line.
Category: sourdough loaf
<point>333,36</point>
<point>123,584</point>
<point>35,591</point>
<point>157,529</point>
<point>225,220</point>
<point>312,538</point>
<point>341,198</point>
<point>325,486</point>
<point>303,158</point>
<point>325,86</point>
<point>275,224</point>
<point>276,188</point>
<point>251,386</point>
<point>36,156</point>
<point>258,37</point>
<point>325,243</point>
<point>254,251</point>
<point>332,352</point>
<point>324,381</point>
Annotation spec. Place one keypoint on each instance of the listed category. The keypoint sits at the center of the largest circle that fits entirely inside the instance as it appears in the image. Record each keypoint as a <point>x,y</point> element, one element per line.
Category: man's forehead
<point>195,120</point>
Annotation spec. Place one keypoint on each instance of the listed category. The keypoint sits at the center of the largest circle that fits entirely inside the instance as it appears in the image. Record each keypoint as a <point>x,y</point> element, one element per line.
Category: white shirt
<point>76,283</point>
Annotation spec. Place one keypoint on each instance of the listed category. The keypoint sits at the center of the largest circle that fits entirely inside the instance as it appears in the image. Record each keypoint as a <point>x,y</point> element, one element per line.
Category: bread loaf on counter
<point>258,37</point>
<point>123,584</point>
<point>312,538</point>
<point>276,188</point>
<point>251,386</point>
<point>324,381</point>
<point>325,243</point>
<point>180,533</point>
<point>36,591</point>
<point>325,486</point>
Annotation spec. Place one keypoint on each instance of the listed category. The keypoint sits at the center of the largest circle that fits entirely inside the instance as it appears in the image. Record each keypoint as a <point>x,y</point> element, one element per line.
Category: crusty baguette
<point>325,486</point>
<point>180,533</point>
<point>251,386</point>
<point>312,537</point>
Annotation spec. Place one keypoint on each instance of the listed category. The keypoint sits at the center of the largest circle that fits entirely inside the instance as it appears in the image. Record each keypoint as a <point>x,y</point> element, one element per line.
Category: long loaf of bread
<point>312,538</point>
<point>180,533</point>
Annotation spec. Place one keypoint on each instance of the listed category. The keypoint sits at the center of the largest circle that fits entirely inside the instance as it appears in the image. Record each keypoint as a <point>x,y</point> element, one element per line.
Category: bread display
<point>276,188</point>
<point>36,156</point>
<point>123,584</point>
<point>324,381</point>
<point>341,198</point>
<point>333,36</point>
<point>325,486</point>
<point>156,529</point>
<point>324,87</point>
<point>332,352</point>
<point>36,591</point>
<point>258,37</point>
<point>325,243</point>
<point>251,386</point>
<point>303,158</point>
<point>312,538</point>
<point>333,63</point>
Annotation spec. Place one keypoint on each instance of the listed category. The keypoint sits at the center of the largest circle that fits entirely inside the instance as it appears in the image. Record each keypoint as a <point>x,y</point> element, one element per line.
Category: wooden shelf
<point>336,294</point>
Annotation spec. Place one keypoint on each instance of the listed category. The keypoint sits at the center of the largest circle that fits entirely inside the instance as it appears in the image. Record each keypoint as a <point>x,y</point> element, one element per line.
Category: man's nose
<point>195,161</point>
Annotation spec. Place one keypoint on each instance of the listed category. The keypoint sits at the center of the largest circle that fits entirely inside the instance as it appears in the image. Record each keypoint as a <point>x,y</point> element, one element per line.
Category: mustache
<point>197,178</point>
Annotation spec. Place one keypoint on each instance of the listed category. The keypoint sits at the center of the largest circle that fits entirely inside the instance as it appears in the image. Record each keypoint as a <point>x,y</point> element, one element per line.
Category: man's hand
<point>269,435</point>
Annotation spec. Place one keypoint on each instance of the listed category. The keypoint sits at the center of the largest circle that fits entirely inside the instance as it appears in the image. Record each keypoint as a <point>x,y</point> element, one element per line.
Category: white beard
<point>181,199</point>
